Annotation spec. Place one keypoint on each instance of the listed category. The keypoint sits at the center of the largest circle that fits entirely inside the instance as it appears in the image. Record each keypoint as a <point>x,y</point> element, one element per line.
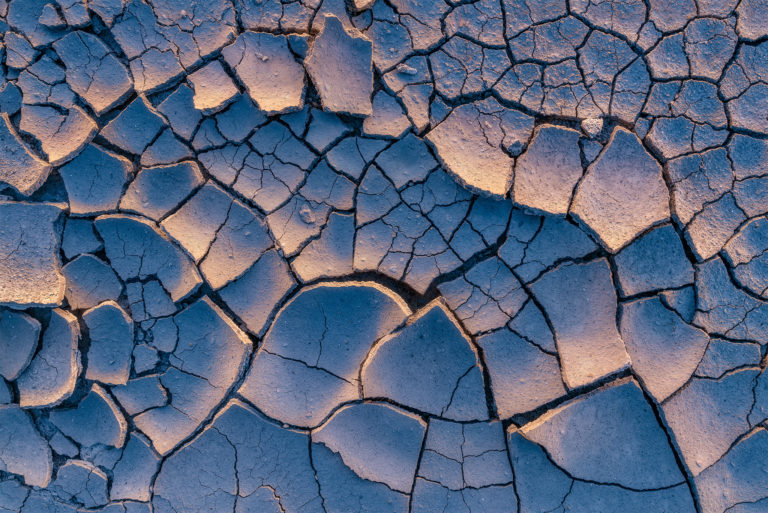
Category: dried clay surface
<point>383,256</point>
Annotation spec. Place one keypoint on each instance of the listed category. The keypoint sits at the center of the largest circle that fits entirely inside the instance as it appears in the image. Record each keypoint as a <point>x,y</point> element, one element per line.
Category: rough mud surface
<point>383,256</point>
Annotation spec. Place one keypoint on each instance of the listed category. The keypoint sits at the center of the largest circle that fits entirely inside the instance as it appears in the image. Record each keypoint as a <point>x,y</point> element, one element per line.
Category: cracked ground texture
<point>383,256</point>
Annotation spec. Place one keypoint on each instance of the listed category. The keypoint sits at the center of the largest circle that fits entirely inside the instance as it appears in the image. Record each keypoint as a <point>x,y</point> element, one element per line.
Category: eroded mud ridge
<point>340,256</point>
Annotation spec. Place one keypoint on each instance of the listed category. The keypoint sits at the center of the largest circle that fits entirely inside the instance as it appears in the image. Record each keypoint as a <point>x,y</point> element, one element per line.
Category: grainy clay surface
<point>383,256</point>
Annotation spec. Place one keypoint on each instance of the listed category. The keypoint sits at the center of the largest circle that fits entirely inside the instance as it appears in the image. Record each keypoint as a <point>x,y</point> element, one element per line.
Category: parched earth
<point>336,256</point>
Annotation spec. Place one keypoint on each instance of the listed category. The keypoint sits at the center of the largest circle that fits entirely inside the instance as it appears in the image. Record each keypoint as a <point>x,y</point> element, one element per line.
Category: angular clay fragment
<point>137,249</point>
<point>746,254</point>
<point>93,71</point>
<point>89,282</point>
<point>339,62</point>
<point>95,420</point>
<point>737,478</point>
<point>654,261</point>
<point>179,109</point>
<point>523,376</point>
<point>51,377</point>
<point>221,233</point>
<point>268,70</point>
<point>19,167</point>
<point>377,441</point>
<point>157,190</point>
<point>254,296</point>
<point>81,482</point>
<point>19,334</point>
<point>140,394</point>
<point>387,119</point>
<point>135,127</point>
<point>608,436</point>
<point>429,365</point>
<point>94,180</point>
<point>580,302</point>
<point>622,193</point>
<point>664,350</point>
<point>213,88</point>
<point>210,355</point>
<point>134,472</point>
<point>547,173</point>
<point>22,450</point>
<point>310,359</point>
<point>111,332</point>
<point>248,460</point>
<point>708,415</point>
<point>61,136</point>
<point>474,143</point>
<point>331,254</point>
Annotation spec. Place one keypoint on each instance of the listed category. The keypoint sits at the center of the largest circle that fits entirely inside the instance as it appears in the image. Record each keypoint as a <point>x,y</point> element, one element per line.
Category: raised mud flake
<point>213,88</point>
<point>82,483</point>
<point>135,471</point>
<point>750,13</point>
<point>111,333</point>
<point>580,302</point>
<point>547,173</point>
<point>543,486</point>
<point>140,394</point>
<point>622,193</point>
<point>339,64</point>
<point>709,415</point>
<point>343,490</point>
<point>654,261</point>
<point>331,254</point>
<point>475,141</point>
<point>210,355</point>
<point>723,356</point>
<point>738,478</point>
<point>269,71</point>
<point>19,167</point>
<point>256,294</point>
<point>157,190</point>
<point>22,449</point>
<point>241,462</point>
<point>221,233</point>
<point>19,334</point>
<point>90,281</point>
<point>135,126</point>
<point>609,436</point>
<point>663,349</point>
<point>61,135</point>
<point>95,420</point>
<point>51,376</point>
<point>523,375</point>
<point>429,365</point>
<point>379,442</point>
<point>93,71</point>
<point>148,255</point>
<point>309,361</point>
<point>95,180</point>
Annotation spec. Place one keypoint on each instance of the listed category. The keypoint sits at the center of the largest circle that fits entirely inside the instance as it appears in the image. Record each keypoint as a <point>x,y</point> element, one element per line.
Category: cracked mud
<point>383,256</point>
